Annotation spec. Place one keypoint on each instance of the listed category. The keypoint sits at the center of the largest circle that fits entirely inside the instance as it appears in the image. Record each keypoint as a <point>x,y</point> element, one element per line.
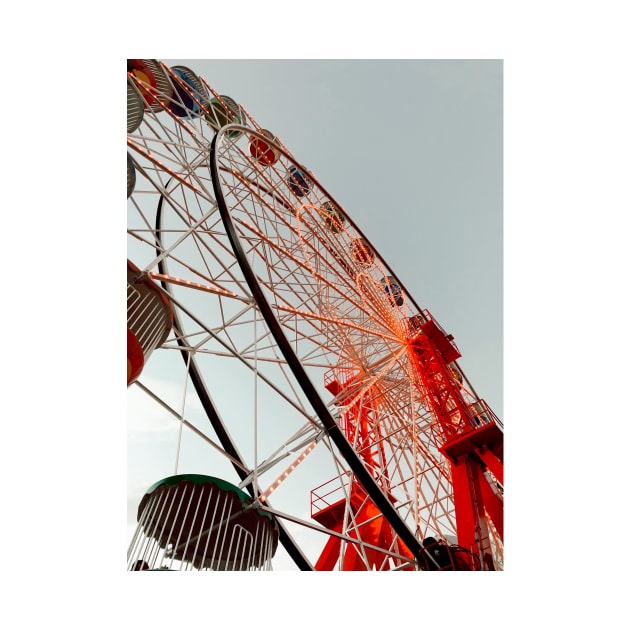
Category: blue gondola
<point>298,182</point>
<point>393,290</point>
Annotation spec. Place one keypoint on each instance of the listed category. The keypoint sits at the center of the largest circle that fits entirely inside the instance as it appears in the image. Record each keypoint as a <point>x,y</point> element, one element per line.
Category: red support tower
<point>470,435</point>
<point>360,425</point>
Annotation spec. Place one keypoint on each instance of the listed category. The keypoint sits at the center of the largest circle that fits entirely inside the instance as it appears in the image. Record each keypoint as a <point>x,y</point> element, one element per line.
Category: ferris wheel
<point>304,381</point>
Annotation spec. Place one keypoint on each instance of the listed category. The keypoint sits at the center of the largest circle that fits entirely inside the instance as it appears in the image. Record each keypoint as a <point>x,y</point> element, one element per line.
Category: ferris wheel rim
<point>198,382</point>
<point>347,450</point>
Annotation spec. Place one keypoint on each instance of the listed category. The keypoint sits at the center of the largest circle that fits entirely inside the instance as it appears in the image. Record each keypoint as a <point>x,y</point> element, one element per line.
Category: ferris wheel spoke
<point>282,255</point>
<point>250,362</point>
<point>297,446</point>
<point>160,167</point>
<point>189,425</point>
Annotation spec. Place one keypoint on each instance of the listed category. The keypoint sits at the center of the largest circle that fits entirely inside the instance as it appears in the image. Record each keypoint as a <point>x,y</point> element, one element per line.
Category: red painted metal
<point>135,358</point>
<point>470,436</point>
<point>361,428</point>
